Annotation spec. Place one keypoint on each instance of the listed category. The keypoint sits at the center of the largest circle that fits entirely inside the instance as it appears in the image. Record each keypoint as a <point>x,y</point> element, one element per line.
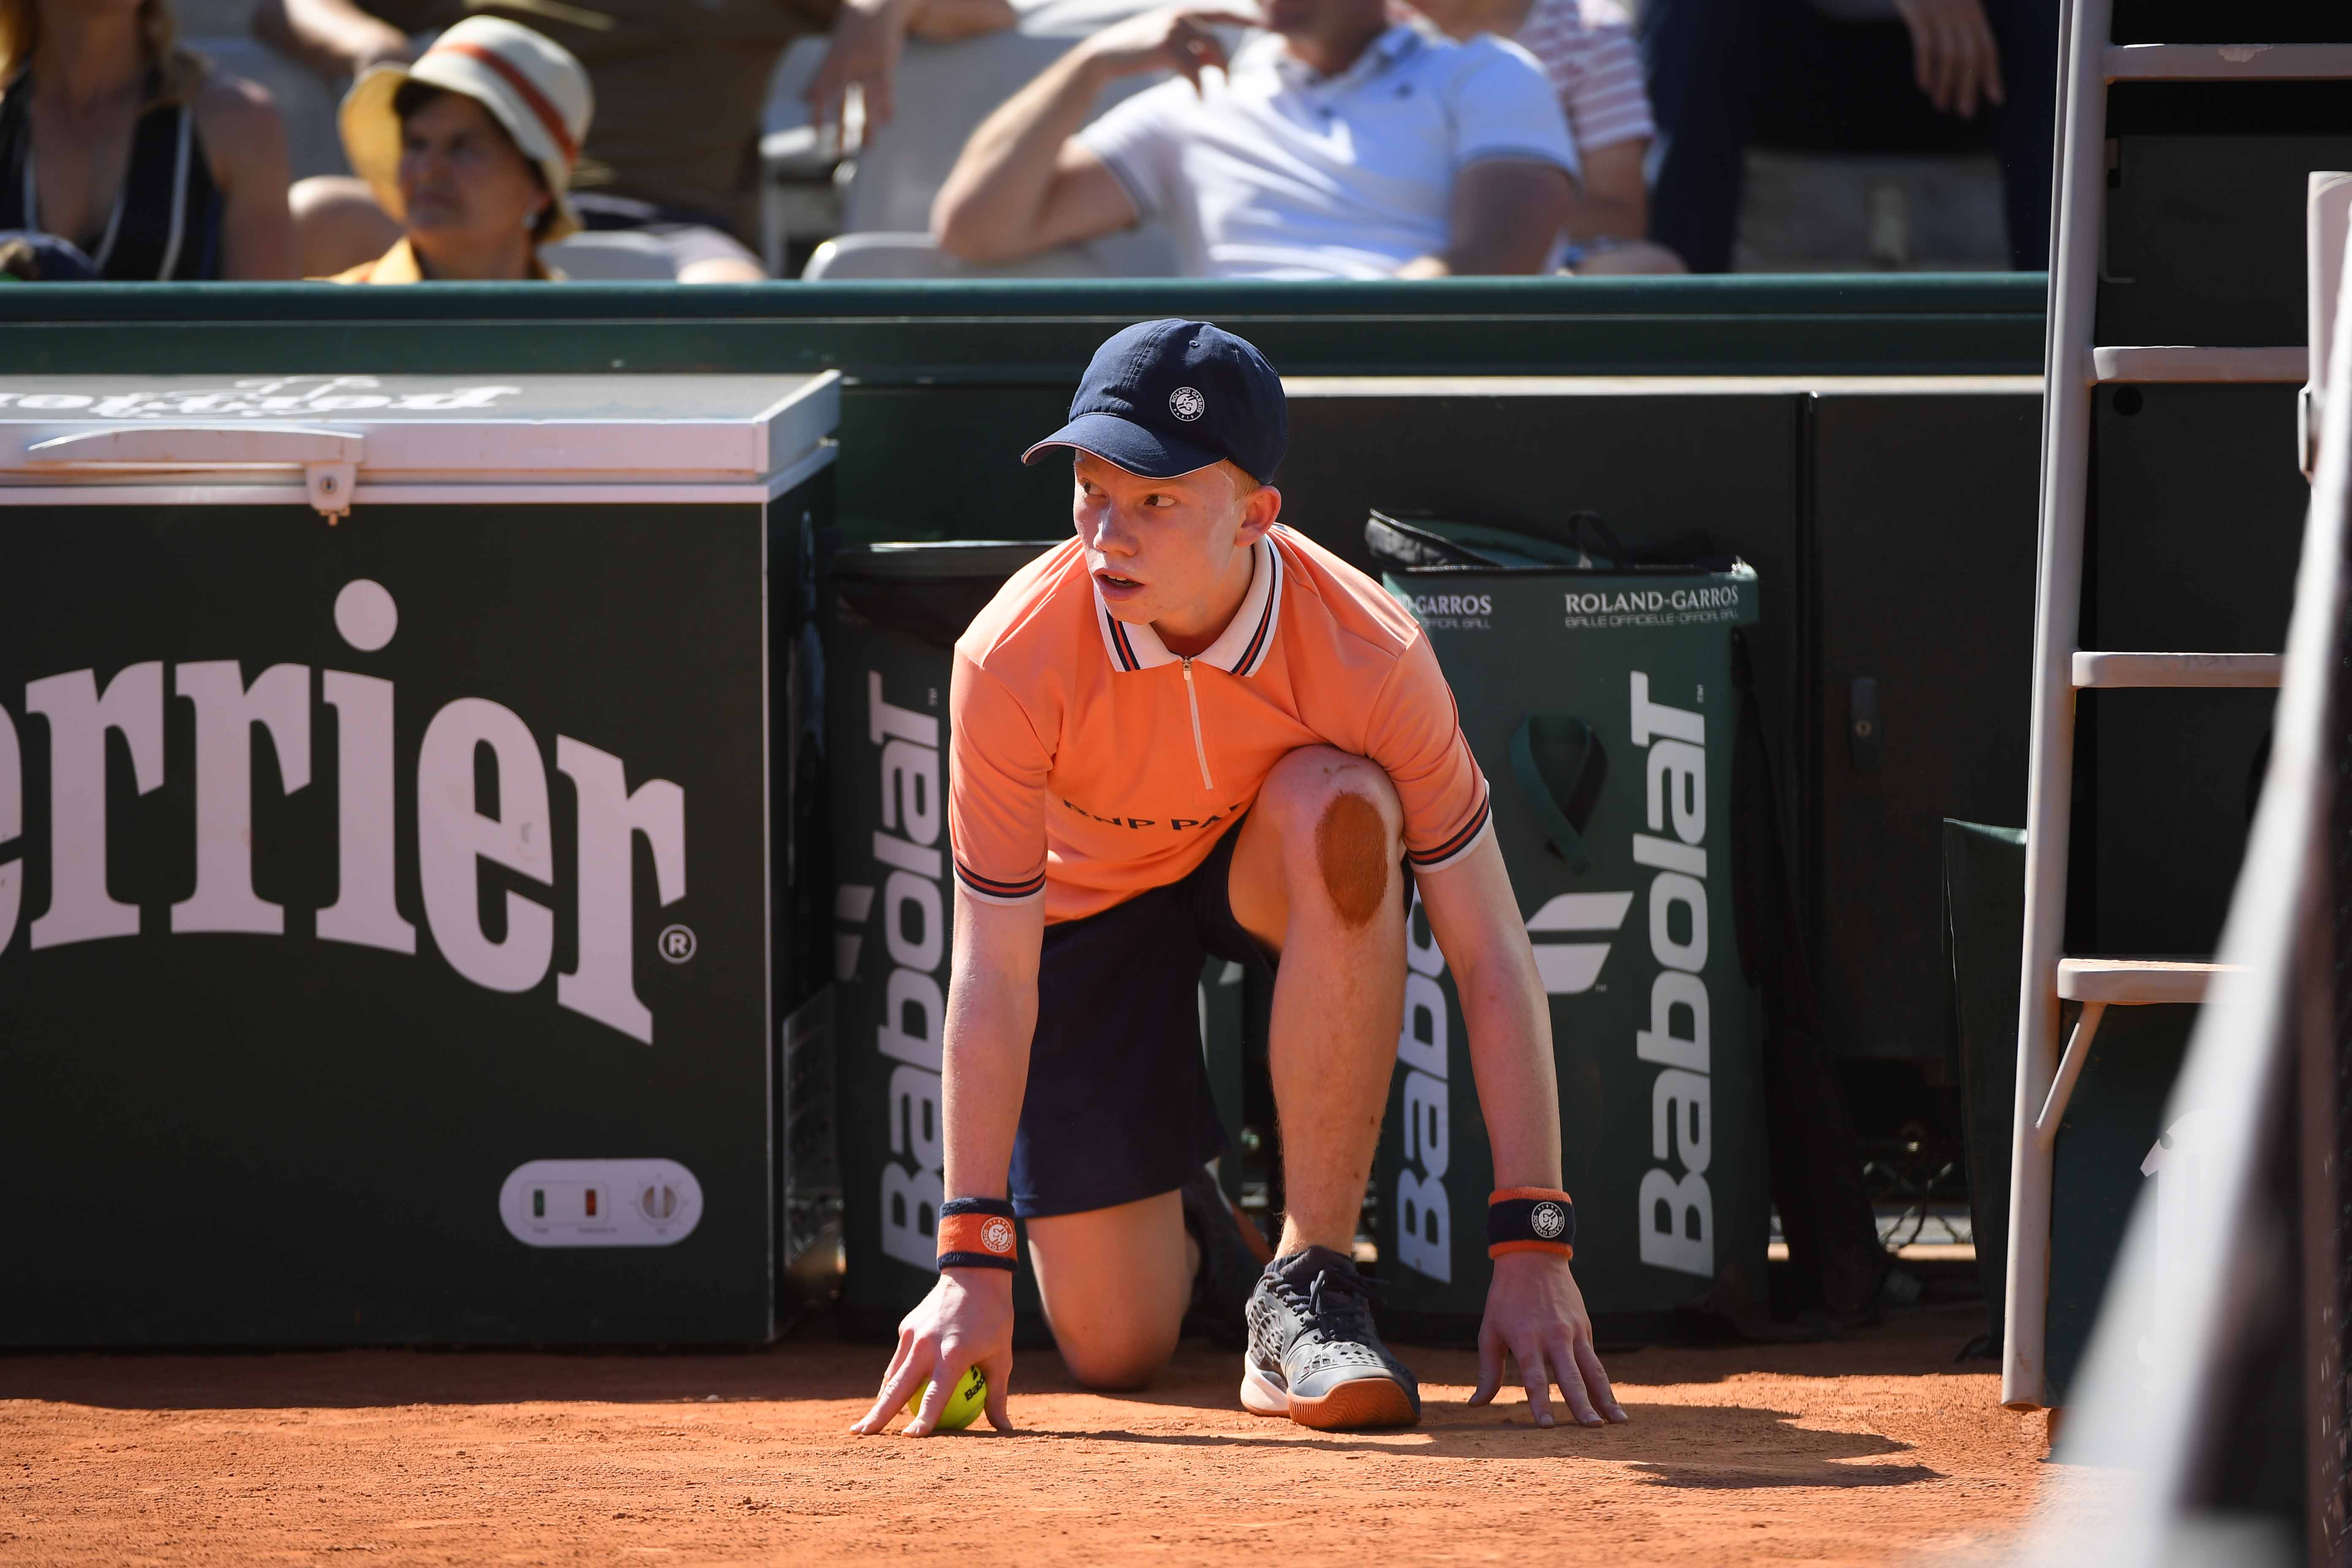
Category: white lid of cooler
<point>404,431</point>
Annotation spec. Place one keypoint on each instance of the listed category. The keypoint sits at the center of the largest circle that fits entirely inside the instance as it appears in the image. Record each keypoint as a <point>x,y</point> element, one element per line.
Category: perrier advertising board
<point>385,855</point>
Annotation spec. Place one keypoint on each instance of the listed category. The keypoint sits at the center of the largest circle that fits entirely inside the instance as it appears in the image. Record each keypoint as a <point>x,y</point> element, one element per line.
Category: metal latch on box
<point>330,459</point>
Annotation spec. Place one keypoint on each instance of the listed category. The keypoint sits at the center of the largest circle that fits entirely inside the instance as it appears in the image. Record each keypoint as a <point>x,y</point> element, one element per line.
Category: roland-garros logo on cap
<point>1187,403</point>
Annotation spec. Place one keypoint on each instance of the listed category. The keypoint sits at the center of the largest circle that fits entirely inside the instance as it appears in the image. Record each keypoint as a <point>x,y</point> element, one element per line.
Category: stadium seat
<point>608,255</point>
<point>903,256</point>
<point>945,90</point>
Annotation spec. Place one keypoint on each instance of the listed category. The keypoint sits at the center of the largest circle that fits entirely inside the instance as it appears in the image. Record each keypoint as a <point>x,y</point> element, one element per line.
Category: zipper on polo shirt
<point>1199,747</point>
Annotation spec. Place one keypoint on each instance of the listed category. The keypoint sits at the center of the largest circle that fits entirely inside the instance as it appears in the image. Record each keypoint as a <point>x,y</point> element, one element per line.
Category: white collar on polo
<point>1401,40</point>
<point>1240,649</point>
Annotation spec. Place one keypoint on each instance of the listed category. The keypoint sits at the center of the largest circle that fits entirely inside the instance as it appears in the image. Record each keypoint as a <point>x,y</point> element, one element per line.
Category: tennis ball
<point>964,1405</point>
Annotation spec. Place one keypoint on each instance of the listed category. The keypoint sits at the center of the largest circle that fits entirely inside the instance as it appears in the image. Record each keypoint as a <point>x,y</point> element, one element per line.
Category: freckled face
<point>1159,549</point>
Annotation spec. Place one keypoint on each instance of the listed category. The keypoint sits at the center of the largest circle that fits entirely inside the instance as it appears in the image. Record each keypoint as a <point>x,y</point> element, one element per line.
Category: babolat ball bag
<point>1598,697</point>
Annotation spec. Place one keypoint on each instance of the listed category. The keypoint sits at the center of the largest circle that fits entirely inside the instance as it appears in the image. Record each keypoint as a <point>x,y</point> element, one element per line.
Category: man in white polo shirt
<point>1336,144</point>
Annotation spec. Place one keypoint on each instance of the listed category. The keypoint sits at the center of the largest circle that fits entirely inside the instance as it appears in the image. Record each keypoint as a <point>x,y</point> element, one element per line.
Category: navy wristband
<point>1530,1219</point>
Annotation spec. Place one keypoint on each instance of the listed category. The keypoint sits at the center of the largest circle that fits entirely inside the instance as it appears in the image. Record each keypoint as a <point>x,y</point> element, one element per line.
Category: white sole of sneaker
<point>1261,1395</point>
<point>1365,1402</point>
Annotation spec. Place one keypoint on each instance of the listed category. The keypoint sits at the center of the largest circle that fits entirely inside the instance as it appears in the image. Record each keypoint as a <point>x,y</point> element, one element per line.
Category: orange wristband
<point>977,1233</point>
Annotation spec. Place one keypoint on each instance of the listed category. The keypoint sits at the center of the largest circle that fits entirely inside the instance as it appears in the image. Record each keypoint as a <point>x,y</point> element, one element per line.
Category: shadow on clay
<point>1697,1447</point>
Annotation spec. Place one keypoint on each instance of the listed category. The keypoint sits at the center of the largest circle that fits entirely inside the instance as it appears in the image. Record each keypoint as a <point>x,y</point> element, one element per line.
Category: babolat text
<point>915,932</point>
<point>1677,1212</point>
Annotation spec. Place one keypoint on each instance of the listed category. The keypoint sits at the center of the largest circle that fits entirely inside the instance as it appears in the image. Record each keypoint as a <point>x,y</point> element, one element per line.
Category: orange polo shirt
<point>1089,763</point>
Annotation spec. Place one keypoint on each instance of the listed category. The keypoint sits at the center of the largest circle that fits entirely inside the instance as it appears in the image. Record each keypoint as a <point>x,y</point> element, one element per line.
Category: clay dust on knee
<point>1351,847</point>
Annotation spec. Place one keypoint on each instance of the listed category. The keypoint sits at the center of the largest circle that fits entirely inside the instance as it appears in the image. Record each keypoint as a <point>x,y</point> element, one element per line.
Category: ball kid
<point>1189,731</point>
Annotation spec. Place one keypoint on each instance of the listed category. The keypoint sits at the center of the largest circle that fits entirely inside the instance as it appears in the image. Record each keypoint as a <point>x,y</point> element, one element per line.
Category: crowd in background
<point>491,140</point>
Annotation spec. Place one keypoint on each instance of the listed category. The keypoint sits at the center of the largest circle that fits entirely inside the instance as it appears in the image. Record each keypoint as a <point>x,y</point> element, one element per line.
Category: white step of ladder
<point>2175,671</point>
<point>2228,62</point>
<point>2099,984</point>
<point>2152,363</point>
<point>2136,981</point>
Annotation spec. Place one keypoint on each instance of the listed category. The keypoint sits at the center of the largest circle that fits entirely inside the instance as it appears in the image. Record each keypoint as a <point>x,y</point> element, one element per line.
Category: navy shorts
<point>1117,1106</point>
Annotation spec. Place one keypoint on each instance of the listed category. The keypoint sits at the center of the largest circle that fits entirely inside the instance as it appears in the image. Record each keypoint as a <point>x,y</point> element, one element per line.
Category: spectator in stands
<point>1338,144</point>
<point>474,146</point>
<point>117,141</point>
<point>1863,76</point>
<point>866,36</point>
<point>680,86</point>
<point>1586,49</point>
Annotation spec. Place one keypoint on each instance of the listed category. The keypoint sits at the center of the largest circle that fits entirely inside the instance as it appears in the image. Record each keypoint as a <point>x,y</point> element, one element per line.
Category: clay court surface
<point>1875,1448</point>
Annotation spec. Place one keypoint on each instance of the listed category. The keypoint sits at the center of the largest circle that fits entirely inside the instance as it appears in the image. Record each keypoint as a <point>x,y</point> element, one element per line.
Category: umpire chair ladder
<point>2075,367</point>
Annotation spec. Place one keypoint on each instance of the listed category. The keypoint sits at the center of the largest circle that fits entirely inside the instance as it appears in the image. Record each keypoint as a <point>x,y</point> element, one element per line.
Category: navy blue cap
<point>1163,398</point>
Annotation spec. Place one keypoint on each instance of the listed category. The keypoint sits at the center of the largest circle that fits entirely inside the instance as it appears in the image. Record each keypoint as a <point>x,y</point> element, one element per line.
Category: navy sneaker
<point>1313,1354</point>
<point>1231,1254</point>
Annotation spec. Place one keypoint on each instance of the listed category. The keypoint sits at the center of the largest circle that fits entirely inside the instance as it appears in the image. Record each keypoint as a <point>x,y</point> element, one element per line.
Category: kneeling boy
<point>1189,731</point>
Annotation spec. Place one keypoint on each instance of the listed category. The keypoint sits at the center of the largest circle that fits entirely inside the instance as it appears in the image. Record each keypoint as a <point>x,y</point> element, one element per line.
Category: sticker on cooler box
<point>601,1203</point>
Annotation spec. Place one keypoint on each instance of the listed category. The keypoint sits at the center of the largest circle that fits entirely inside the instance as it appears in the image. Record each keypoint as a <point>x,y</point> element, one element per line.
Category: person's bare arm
<point>868,37</point>
<point>334,37</point>
<point>1019,186</point>
<point>863,52</point>
<point>244,144</point>
<point>991,1014</point>
<point>1506,214</point>
<point>1612,199</point>
<point>967,1319</point>
<point>1534,1310</point>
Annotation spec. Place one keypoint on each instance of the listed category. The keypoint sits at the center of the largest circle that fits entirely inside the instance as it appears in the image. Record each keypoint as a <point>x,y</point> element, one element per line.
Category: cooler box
<point>393,796</point>
<point>1600,703</point>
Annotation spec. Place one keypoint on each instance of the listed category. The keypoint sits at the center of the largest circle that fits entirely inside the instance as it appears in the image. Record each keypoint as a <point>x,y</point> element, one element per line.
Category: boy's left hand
<point>1534,1313</point>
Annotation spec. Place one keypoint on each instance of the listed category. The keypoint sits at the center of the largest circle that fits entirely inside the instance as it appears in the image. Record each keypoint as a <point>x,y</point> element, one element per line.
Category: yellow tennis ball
<point>964,1405</point>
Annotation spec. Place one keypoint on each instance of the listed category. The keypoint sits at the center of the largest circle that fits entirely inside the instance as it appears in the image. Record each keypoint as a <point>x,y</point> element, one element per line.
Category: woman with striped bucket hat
<point>472,148</point>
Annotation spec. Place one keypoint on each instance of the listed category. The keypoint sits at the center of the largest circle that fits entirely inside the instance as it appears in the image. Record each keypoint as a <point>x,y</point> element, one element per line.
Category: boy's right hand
<point>965,1322</point>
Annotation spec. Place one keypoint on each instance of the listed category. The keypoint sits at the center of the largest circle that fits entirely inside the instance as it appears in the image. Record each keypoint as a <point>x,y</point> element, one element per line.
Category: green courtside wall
<point>911,458</point>
<point>948,382</point>
<point>923,333</point>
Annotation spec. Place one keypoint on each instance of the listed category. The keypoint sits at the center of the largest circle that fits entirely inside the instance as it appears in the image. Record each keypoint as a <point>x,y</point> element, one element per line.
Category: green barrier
<point>1984,949</point>
<point>957,377</point>
<point>1040,332</point>
<point>897,613</point>
<point>1600,703</point>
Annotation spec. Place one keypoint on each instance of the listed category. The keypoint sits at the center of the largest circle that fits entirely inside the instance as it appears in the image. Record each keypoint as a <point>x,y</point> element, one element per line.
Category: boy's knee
<point>1117,1361</point>
<point>1341,815</point>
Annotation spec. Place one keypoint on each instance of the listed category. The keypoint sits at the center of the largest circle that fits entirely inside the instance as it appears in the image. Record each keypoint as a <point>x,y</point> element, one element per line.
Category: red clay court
<point>1875,1448</point>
